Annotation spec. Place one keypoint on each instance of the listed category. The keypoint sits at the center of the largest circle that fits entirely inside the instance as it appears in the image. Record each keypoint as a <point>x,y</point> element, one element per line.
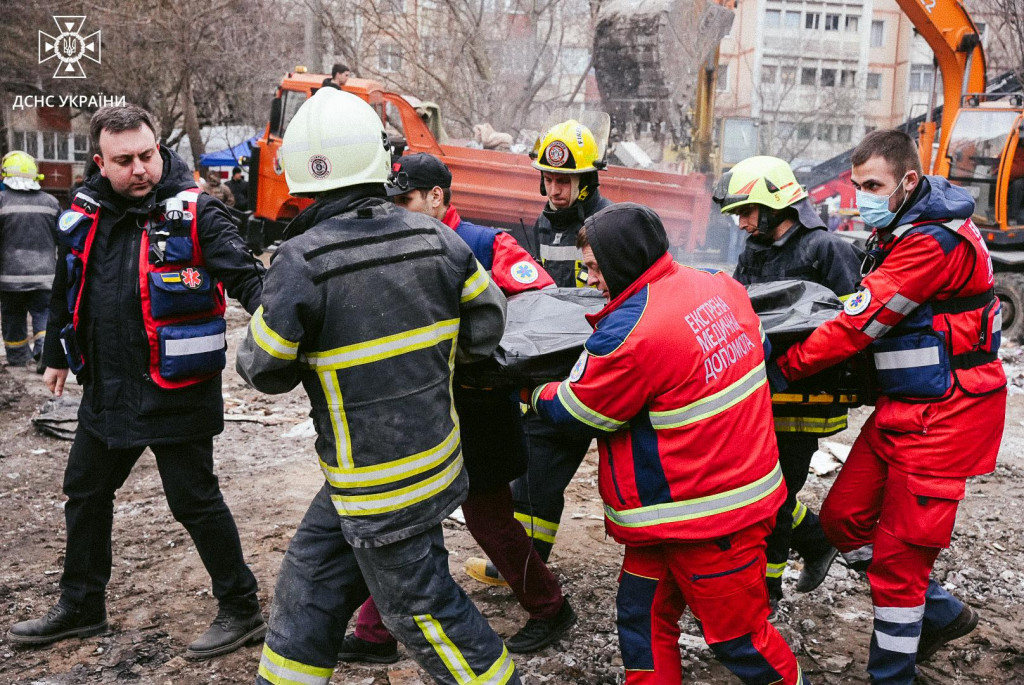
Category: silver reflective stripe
<point>85,197</point>
<point>28,209</point>
<point>350,139</point>
<point>865,553</point>
<point>901,304</point>
<point>699,507</point>
<point>181,348</point>
<point>907,359</point>
<point>997,323</point>
<point>715,404</point>
<point>34,278</point>
<point>584,413</point>
<point>900,614</point>
<point>891,643</point>
<point>560,253</point>
<point>876,329</point>
<point>289,675</point>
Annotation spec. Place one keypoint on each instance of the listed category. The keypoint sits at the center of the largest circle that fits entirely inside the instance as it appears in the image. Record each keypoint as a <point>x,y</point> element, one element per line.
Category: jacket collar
<point>333,203</point>
<point>660,268</point>
<point>451,218</point>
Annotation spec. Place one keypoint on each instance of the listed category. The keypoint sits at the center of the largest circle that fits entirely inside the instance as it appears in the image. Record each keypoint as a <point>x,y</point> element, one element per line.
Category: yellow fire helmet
<point>567,148</point>
<point>19,171</point>
<point>761,180</point>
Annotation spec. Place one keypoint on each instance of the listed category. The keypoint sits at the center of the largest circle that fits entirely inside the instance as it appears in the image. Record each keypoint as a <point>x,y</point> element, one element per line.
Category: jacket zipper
<point>611,469</point>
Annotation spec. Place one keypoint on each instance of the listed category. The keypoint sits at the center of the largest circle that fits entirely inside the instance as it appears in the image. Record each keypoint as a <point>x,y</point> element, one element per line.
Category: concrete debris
<point>58,417</point>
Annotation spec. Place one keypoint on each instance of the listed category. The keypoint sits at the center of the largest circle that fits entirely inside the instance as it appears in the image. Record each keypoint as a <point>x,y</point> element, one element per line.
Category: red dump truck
<point>490,187</point>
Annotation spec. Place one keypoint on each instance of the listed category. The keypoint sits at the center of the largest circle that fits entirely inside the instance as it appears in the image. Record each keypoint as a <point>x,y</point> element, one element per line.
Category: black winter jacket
<point>28,233</point>
<point>120,404</point>
<point>556,234</point>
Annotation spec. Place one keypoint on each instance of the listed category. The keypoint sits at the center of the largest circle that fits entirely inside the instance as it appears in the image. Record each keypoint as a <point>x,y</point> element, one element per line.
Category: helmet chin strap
<point>768,220</point>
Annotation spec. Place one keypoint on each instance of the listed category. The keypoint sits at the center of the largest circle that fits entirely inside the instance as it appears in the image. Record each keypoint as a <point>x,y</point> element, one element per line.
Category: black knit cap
<point>418,171</point>
<point>627,238</point>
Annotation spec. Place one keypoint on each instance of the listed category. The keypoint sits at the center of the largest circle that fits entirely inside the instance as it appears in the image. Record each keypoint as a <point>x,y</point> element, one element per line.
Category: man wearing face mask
<point>927,313</point>
<point>789,241</point>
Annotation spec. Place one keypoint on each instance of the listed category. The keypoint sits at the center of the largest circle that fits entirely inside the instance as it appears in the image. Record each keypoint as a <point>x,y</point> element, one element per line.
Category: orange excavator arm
<point>953,37</point>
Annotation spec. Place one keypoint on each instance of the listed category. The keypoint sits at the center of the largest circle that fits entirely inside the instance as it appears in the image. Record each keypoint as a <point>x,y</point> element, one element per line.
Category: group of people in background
<point>383,292</point>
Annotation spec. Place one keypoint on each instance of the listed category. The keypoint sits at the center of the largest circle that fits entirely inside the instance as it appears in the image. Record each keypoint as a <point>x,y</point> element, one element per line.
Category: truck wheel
<point>1010,289</point>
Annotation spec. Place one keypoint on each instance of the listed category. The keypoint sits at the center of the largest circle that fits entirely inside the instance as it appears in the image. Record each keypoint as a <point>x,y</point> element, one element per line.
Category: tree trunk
<point>195,137</point>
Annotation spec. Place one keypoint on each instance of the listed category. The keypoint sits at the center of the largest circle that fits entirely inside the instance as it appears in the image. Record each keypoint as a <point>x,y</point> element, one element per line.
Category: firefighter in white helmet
<point>370,307</point>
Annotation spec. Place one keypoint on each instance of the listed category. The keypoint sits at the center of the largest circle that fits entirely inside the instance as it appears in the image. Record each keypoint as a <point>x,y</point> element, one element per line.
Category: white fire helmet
<point>335,140</point>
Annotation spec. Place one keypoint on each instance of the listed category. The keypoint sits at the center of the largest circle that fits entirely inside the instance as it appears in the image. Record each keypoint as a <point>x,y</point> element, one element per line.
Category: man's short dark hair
<point>582,240</point>
<point>894,146</point>
<point>339,69</point>
<point>117,120</point>
<point>446,194</point>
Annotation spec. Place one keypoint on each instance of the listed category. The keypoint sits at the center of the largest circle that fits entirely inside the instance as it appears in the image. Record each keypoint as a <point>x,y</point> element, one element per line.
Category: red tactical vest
<point>182,304</point>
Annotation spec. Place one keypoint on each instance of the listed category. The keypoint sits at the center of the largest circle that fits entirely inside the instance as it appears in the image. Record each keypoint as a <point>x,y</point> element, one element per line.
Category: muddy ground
<point>159,597</point>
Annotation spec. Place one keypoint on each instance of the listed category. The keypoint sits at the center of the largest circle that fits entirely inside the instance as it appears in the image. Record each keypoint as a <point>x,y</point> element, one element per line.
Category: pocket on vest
<point>193,348</point>
<point>176,293</point>
<point>912,365</point>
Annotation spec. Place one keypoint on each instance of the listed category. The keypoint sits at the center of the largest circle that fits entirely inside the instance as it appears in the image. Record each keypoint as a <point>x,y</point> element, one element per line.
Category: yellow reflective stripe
<point>475,284</point>
<point>760,329</point>
<point>339,423</point>
<point>269,341</point>
<point>700,507</point>
<point>384,348</point>
<point>809,424</point>
<point>821,398</point>
<point>40,334</point>
<point>445,648</point>
<point>538,528</point>
<point>582,412</point>
<point>280,671</point>
<point>775,570</point>
<point>711,405</point>
<point>392,471</point>
<point>500,672</point>
<point>799,512</point>
<point>16,343</point>
<point>393,500</point>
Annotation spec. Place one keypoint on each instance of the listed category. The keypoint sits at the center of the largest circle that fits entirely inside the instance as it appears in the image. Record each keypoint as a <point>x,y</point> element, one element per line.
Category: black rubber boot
<point>815,570</point>
<point>228,632</point>
<point>538,633</point>
<point>357,649</point>
<point>61,622</point>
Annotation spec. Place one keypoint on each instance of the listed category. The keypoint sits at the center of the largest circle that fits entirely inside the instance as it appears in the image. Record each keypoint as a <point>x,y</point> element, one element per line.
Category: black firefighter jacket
<point>28,234</point>
<point>120,404</point>
<point>556,231</point>
<point>370,308</point>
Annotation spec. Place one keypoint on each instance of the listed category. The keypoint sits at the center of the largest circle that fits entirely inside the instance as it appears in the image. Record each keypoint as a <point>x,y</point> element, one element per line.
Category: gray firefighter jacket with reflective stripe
<point>28,234</point>
<point>370,309</point>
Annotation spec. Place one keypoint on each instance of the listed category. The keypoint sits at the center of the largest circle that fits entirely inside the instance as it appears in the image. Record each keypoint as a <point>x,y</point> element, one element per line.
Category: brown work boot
<point>228,632</point>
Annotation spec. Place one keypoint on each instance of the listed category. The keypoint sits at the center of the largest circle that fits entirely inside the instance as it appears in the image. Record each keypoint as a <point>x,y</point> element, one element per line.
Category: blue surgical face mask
<point>874,209</point>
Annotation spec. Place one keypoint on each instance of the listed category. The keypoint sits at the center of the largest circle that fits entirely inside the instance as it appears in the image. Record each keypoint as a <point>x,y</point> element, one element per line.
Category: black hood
<point>627,239</point>
<point>175,178</point>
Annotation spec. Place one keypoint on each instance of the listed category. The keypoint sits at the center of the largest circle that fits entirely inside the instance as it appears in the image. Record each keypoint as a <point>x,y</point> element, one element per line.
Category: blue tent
<point>229,157</point>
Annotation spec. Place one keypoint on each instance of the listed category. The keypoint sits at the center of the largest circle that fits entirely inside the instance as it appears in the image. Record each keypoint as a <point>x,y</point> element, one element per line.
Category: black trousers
<point>805,534</point>
<point>94,474</point>
<point>539,495</point>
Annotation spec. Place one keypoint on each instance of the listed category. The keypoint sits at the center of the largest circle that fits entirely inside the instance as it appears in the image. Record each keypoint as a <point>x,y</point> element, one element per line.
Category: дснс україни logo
<point>69,46</point>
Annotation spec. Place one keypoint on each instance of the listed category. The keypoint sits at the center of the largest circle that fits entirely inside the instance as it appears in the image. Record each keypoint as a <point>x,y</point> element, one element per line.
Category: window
<point>768,73</point>
<point>824,132</point>
<point>788,75</point>
<point>389,59</point>
<point>808,76</point>
<point>80,144</point>
<point>874,87</point>
<point>980,25</point>
<point>393,6</point>
<point>844,133</point>
<point>848,78</point>
<point>792,20</point>
<point>831,22</point>
<point>574,60</point>
<point>723,78</point>
<point>921,78</point>
<point>852,23</point>
<point>804,131</point>
<point>828,78</point>
<point>812,20</point>
<point>27,141</point>
<point>877,33</point>
<point>772,19</point>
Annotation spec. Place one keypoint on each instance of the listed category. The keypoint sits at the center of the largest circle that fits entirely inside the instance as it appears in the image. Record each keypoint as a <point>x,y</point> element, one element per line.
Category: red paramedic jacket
<point>673,381</point>
<point>935,257</point>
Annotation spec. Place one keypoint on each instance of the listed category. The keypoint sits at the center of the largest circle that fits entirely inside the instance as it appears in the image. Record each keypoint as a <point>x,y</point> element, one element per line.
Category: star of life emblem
<point>524,272</point>
<point>191,278</point>
<point>579,367</point>
<point>69,47</point>
<point>857,302</point>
